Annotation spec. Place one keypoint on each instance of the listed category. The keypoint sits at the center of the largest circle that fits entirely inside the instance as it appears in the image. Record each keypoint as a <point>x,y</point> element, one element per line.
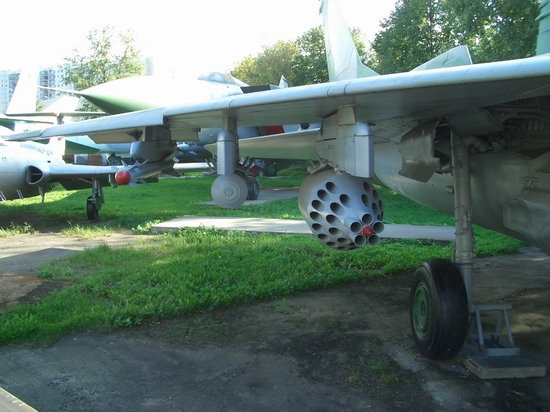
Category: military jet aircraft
<point>23,100</point>
<point>468,140</point>
<point>21,114</point>
<point>30,169</point>
<point>149,92</point>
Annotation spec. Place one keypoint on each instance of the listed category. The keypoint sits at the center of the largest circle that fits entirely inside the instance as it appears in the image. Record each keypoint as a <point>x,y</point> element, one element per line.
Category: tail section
<point>458,56</point>
<point>63,104</point>
<point>342,57</point>
<point>24,95</point>
<point>543,40</point>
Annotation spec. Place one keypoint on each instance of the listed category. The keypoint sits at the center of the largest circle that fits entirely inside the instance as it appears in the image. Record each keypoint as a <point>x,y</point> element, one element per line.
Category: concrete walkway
<point>439,233</point>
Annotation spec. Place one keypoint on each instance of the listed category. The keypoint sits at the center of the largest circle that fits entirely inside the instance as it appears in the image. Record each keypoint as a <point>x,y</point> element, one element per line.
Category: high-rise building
<point>47,77</point>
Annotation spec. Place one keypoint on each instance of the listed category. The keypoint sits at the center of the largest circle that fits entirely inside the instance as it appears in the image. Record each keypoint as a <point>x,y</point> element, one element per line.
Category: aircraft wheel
<point>438,309</point>
<point>91,209</point>
<point>229,191</point>
<point>270,170</point>
<point>253,189</point>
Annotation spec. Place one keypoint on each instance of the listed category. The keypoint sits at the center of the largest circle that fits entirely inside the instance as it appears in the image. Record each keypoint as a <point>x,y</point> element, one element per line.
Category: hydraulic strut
<point>464,248</point>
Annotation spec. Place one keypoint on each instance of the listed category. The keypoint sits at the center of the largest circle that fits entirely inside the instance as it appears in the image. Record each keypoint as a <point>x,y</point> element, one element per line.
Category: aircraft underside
<point>490,167</point>
<point>499,180</point>
<point>508,196</point>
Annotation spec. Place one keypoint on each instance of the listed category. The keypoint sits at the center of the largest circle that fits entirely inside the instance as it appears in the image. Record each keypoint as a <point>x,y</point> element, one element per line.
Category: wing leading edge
<point>397,100</point>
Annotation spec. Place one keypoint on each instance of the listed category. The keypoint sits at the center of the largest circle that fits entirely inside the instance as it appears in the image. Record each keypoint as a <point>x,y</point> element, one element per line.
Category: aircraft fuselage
<point>15,159</point>
<point>509,194</point>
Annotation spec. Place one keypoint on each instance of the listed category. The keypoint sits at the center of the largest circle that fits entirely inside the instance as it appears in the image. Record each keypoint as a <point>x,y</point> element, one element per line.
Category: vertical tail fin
<point>543,39</point>
<point>342,57</point>
<point>24,94</point>
<point>458,56</point>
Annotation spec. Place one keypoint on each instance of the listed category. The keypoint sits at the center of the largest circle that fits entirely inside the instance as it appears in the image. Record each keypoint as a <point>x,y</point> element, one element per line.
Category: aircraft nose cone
<point>123,177</point>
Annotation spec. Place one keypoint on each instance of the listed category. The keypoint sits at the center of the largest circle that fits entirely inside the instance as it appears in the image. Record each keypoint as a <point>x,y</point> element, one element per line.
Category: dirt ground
<point>343,349</point>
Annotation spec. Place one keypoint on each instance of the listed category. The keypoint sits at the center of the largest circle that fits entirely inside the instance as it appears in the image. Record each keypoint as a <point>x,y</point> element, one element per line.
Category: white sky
<point>186,37</point>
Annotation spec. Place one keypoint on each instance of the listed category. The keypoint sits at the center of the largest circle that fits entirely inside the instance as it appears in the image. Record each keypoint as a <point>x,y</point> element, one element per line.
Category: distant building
<point>8,80</point>
<point>51,77</point>
<point>47,77</point>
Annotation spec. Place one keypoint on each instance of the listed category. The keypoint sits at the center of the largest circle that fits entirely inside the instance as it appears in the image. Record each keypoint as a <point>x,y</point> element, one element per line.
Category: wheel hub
<point>421,305</point>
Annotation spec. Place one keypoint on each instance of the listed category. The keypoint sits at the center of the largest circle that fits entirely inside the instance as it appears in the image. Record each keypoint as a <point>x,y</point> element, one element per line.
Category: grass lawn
<point>194,269</point>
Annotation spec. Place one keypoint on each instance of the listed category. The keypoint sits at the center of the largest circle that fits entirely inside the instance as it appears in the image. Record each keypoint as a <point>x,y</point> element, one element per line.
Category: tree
<point>107,58</point>
<point>410,36</point>
<point>309,65</point>
<point>268,66</point>
<point>302,61</point>
<point>497,29</point>
<point>418,30</point>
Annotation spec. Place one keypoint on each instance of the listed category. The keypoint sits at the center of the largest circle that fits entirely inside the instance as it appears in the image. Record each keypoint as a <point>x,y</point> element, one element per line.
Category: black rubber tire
<point>438,309</point>
<point>91,210</point>
<point>270,170</point>
<point>253,190</point>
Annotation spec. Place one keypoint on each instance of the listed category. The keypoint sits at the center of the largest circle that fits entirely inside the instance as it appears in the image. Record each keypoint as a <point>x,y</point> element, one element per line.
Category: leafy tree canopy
<point>268,66</point>
<point>418,30</point>
<point>108,57</point>
<point>415,32</point>
<point>302,61</point>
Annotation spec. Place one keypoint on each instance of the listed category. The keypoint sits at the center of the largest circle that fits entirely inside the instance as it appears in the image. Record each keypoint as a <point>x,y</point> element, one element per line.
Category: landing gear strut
<point>232,187</point>
<point>441,295</point>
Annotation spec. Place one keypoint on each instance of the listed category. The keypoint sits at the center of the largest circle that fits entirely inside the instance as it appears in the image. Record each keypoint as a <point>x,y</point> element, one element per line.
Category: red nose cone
<point>122,177</point>
<point>367,231</point>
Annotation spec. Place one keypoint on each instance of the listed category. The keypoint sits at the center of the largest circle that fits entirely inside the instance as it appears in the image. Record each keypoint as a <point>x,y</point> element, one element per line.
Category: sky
<point>185,38</point>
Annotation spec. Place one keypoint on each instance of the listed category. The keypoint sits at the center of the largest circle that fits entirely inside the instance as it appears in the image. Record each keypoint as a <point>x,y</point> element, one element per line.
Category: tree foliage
<point>498,29</point>
<point>108,57</point>
<point>415,32</point>
<point>302,61</point>
<point>418,30</point>
<point>268,66</point>
<point>309,64</point>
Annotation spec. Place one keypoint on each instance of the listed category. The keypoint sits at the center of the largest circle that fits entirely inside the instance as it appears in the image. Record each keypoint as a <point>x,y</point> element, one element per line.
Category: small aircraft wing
<point>110,129</point>
<point>388,103</point>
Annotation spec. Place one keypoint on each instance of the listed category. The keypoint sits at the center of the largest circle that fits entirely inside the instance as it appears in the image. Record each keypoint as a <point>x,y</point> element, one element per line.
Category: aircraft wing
<point>297,145</point>
<point>78,148</point>
<point>111,129</point>
<point>389,103</point>
<point>9,122</point>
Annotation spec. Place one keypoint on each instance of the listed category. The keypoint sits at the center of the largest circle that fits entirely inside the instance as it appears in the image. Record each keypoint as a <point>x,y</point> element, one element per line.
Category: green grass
<point>139,208</point>
<point>195,269</point>
<point>15,229</point>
